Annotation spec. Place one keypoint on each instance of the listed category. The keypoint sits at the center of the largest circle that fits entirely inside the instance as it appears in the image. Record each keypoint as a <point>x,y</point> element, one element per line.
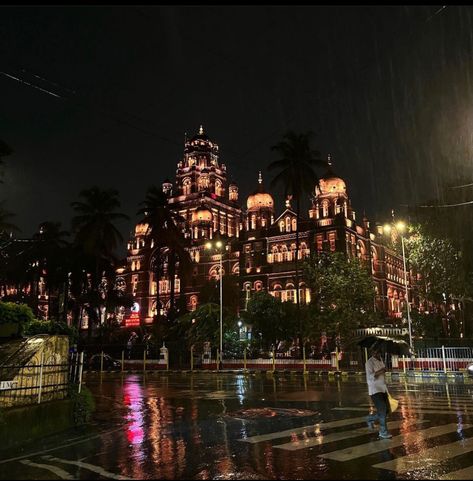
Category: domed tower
<point>330,197</point>
<point>260,206</point>
<point>200,171</point>
<point>202,219</point>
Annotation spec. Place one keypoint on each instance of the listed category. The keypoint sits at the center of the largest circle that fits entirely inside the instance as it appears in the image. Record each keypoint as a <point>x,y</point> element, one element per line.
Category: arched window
<point>281,226</point>
<point>290,293</point>
<point>325,209</point>
<point>218,188</point>
<point>284,253</point>
<point>138,265</point>
<point>203,182</point>
<point>294,224</point>
<point>186,186</point>
<point>258,286</point>
<point>288,224</point>
<point>193,303</point>
<point>133,265</point>
<point>253,222</point>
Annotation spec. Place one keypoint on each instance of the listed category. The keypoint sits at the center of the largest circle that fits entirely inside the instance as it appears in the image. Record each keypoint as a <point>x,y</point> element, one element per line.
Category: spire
<point>201,130</point>
<point>329,160</point>
<point>260,178</point>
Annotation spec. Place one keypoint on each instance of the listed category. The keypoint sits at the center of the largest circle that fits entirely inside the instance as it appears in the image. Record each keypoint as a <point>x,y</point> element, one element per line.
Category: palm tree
<point>97,235</point>
<point>296,173</point>
<point>165,230</point>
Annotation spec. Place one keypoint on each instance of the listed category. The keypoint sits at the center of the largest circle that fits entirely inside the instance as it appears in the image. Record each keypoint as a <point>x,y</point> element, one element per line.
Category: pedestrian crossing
<point>436,445</point>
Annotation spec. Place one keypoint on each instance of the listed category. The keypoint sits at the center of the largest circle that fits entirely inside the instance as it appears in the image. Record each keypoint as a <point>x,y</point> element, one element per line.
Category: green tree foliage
<point>50,327</point>
<point>203,325</point>
<point>439,264</point>
<point>427,324</point>
<point>14,318</point>
<point>342,295</point>
<point>270,318</point>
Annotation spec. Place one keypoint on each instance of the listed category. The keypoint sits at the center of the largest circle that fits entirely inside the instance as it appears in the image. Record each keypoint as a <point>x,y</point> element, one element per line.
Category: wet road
<point>256,426</point>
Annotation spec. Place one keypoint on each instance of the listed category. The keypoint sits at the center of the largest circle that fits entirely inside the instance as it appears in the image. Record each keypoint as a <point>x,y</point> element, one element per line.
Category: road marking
<point>466,473</point>
<point>60,473</point>
<point>79,441</point>
<point>311,428</point>
<point>90,467</point>
<point>330,438</point>
<point>361,450</point>
<point>428,405</point>
<point>428,457</point>
<point>419,411</point>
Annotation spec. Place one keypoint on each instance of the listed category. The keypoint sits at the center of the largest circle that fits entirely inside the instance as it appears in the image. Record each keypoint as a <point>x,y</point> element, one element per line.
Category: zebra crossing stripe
<point>429,406</point>
<point>419,411</point>
<point>88,466</point>
<point>313,428</point>
<point>60,473</point>
<point>434,455</point>
<point>366,449</point>
<point>466,473</point>
<point>330,438</point>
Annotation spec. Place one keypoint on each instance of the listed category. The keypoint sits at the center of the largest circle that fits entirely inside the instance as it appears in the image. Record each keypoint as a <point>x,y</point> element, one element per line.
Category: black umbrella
<point>386,345</point>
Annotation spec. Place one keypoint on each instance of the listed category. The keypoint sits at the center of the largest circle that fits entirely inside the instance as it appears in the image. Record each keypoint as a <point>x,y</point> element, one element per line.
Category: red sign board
<point>133,320</point>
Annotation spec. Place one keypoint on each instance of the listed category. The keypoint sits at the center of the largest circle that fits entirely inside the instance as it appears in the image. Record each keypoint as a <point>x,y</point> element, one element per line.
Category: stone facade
<point>259,243</point>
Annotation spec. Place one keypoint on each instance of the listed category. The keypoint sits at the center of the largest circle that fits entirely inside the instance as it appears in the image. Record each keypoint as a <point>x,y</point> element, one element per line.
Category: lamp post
<point>401,227</point>
<point>218,246</point>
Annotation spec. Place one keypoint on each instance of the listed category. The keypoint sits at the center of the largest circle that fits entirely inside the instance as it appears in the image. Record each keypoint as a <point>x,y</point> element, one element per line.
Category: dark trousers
<point>380,400</point>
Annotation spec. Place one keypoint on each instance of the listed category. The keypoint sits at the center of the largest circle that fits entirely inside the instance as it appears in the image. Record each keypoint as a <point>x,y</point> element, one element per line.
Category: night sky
<point>387,90</point>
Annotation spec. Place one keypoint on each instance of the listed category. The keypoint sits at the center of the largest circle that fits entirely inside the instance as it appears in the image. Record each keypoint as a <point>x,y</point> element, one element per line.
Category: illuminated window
<point>218,188</point>
<point>186,186</point>
<point>294,224</point>
<point>138,265</point>
<point>133,266</point>
<point>288,224</point>
<point>134,284</point>
<point>281,226</point>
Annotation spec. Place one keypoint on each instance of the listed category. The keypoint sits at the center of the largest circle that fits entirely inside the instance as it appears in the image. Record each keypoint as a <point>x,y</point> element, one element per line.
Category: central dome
<point>259,199</point>
<point>331,185</point>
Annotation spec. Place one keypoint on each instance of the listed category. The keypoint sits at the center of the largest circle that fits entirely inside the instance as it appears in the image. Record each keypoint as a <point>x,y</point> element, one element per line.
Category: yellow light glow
<point>401,226</point>
<point>219,244</point>
<point>387,228</point>
<point>208,245</point>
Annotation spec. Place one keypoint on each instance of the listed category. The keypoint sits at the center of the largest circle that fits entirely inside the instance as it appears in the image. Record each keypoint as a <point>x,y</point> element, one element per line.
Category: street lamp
<point>218,246</point>
<point>401,228</point>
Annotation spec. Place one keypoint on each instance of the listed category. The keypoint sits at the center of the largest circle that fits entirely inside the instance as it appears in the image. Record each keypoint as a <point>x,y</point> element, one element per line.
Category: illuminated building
<point>261,242</point>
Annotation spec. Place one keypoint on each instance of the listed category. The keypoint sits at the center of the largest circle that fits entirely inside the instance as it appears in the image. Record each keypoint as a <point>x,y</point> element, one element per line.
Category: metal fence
<point>33,383</point>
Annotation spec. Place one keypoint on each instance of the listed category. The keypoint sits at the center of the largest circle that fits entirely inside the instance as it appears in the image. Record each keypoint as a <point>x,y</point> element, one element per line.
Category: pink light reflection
<point>133,398</point>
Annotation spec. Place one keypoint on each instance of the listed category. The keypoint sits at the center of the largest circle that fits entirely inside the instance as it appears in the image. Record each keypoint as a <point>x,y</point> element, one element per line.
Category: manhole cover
<point>268,412</point>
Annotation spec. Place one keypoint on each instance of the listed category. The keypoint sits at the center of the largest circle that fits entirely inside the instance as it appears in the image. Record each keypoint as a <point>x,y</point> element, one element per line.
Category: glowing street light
<point>218,247</point>
<point>401,227</point>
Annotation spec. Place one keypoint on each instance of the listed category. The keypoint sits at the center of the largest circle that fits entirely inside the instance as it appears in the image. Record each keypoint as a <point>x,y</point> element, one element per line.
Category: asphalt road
<point>255,426</point>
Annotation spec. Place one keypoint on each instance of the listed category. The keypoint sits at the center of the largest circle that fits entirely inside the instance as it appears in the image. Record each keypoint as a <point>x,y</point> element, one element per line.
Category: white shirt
<point>377,384</point>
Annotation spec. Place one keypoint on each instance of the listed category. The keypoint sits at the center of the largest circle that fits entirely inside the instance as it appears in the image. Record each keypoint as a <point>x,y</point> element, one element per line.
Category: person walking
<point>378,392</point>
